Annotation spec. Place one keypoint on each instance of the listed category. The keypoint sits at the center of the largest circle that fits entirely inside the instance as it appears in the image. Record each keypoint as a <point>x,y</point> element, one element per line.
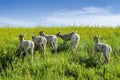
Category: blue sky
<point>59,12</point>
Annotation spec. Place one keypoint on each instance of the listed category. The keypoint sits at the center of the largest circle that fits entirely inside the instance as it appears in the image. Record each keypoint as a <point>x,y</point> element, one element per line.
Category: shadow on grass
<point>17,54</point>
<point>6,61</point>
<point>90,62</point>
<point>61,48</point>
<point>83,60</point>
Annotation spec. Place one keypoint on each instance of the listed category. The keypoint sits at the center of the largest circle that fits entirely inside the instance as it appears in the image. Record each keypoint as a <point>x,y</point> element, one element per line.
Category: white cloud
<point>83,11</point>
<point>96,10</point>
<point>85,16</point>
<point>14,22</point>
<point>108,20</point>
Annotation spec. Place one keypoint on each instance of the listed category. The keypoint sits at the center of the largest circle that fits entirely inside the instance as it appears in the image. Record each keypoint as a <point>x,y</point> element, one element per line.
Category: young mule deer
<point>51,39</point>
<point>25,45</point>
<point>65,37</point>
<point>102,48</point>
<point>40,43</point>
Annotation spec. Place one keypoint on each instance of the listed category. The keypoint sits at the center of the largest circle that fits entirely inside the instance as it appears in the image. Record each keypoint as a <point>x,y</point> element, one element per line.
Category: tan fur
<point>25,45</point>
<point>51,39</point>
<point>40,43</point>
<point>102,48</point>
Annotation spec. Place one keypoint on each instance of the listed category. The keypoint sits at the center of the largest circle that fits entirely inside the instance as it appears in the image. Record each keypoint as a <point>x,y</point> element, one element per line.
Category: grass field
<point>65,65</point>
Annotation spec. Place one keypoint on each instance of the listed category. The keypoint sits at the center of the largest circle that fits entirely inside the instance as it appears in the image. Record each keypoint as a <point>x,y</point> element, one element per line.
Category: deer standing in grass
<point>25,46</point>
<point>51,39</point>
<point>102,48</point>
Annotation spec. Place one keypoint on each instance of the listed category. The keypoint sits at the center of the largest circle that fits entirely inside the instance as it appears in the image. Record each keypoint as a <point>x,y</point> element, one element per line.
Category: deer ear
<point>96,36</point>
<point>22,34</point>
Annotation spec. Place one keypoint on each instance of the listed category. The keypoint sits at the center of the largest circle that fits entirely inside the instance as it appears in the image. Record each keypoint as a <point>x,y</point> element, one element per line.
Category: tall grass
<point>64,65</point>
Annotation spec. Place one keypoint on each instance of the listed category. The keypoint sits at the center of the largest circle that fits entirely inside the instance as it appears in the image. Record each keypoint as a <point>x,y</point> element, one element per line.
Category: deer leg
<point>55,46</point>
<point>52,45</point>
<point>32,52</point>
<point>100,57</point>
<point>40,48</point>
<point>107,56</point>
<point>21,54</point>
<point>44,46</point>
<point>26,51</point>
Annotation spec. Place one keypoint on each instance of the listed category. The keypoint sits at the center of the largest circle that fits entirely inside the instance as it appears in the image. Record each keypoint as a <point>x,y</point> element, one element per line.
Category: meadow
<point>63,65</point>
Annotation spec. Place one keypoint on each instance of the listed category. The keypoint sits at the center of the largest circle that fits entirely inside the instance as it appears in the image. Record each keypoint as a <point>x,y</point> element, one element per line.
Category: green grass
<point>65,65</point>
